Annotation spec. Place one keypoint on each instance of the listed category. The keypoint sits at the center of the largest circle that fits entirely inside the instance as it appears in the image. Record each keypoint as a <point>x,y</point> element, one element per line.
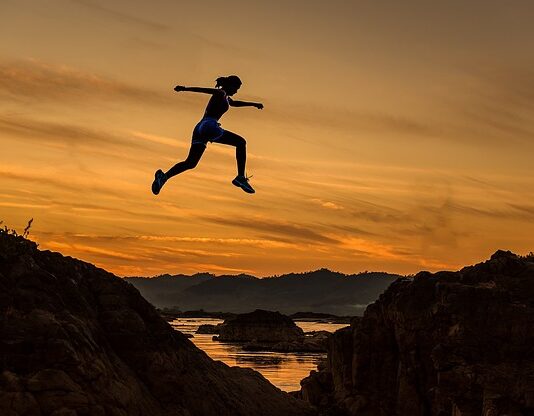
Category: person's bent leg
<point>240,144</point>
<point>195,153</point>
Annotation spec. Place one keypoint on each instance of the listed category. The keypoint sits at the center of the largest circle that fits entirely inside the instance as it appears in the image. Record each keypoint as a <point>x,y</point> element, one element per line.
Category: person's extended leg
<point>240,144</point>
<point>195,153</point>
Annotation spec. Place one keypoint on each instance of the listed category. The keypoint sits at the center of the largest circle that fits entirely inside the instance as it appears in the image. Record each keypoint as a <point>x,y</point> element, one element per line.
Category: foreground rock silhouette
<point>450,343</point>
<point>77,340</point>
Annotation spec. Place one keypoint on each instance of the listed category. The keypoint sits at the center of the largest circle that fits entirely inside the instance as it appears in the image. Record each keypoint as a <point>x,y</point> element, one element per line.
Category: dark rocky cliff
<point>77,340</point>
<point>449,343</point>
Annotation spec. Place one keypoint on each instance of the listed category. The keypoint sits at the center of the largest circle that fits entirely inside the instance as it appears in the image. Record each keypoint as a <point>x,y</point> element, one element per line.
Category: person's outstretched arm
<point>212,91</point>
<point>235,103</point>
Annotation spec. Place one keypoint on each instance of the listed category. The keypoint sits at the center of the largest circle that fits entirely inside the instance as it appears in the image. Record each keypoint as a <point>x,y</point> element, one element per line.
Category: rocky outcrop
<point>334,374</point>
<point>269,331</point>
<point>449,343</point>
<point>208,329</point>
<point>260,326</point>
<point>77,340</point>
<point>315,341</point>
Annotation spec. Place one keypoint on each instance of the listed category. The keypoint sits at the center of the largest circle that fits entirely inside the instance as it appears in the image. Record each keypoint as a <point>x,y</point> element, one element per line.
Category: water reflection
<point>284,370</point>
<point>256,361</point>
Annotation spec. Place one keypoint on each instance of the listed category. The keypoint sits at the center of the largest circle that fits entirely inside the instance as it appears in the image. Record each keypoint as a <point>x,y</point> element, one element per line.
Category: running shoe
<point>159,181</point>
<point>242,182</point>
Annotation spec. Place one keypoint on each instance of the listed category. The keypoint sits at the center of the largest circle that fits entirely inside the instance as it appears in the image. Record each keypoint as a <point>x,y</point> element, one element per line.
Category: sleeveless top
<point>216,107</point>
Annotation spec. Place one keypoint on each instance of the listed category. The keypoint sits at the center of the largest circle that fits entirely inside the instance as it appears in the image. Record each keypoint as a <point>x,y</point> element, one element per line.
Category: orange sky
<point>396,136</point>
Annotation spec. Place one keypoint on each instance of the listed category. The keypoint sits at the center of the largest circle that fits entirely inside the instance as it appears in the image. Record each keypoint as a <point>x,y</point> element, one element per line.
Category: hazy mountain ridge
<point>316,291</point>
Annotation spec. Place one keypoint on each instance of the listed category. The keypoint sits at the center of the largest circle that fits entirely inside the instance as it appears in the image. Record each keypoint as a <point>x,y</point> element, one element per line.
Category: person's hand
<point>179,88</point>
<point>259,106</point>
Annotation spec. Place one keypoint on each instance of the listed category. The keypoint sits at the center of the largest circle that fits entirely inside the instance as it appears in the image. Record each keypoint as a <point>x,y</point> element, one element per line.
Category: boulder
<point>260,326</point>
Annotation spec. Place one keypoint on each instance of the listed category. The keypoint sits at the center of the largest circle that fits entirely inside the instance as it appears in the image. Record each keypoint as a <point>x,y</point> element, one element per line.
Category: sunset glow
<point>395,135</point>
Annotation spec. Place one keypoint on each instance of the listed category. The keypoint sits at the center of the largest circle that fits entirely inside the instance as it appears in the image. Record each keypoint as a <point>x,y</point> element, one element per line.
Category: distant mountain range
<point>318,291</point>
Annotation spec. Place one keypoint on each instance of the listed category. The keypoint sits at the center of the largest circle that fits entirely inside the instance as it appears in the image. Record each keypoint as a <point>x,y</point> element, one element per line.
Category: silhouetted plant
<point>27,229</point>
<point>13,244</point>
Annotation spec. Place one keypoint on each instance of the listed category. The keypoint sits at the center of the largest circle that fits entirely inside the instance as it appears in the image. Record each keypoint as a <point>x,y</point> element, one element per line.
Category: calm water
<point>284,370</point>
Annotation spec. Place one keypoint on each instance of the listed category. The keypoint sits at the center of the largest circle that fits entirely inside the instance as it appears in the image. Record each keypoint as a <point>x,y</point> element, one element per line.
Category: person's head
<point>229,84</point>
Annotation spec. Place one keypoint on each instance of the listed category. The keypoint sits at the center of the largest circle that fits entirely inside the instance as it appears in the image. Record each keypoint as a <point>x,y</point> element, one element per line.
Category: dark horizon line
<point>266,277</point>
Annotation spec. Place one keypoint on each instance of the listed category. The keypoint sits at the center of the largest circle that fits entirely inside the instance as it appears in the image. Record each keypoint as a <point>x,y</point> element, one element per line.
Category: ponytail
<point>230,80</point>
<point>220,82</point>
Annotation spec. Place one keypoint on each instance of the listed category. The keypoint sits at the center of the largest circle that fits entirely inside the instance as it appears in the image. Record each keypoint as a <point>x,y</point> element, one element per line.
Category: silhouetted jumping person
<point>209,130</point>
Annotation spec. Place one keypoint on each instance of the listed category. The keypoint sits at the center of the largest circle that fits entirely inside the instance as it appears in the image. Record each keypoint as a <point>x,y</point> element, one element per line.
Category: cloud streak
<point>495,106</point>
<point>34,81</point>
<point>247,242</point>
<point>65,135</point>
<point>291,231</point>
<point>123,17</point>
<point>343,119</point>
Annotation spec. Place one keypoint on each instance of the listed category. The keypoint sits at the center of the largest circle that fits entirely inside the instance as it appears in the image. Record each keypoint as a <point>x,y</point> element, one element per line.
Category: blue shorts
<point>207,130</point>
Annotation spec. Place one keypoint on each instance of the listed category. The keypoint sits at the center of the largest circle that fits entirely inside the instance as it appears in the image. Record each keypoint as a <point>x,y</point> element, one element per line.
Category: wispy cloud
<point>66,135</point>
<point>84,249</point>
<point>63,185</point>
<point>327,204</point>
<point>123,17</point>
<point>347,229</point>
<point>382,215</point>
<point>34,81</point>
<point>376,250</point>
<point>492,106</point>
<point>261,243</point>
<point>130,254</point>
<point>97,238</point>
<point>528,209</point>
<point>288,230</point>
<point>335,119</point>
<point>495,106</point>
<point>518,212</point>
